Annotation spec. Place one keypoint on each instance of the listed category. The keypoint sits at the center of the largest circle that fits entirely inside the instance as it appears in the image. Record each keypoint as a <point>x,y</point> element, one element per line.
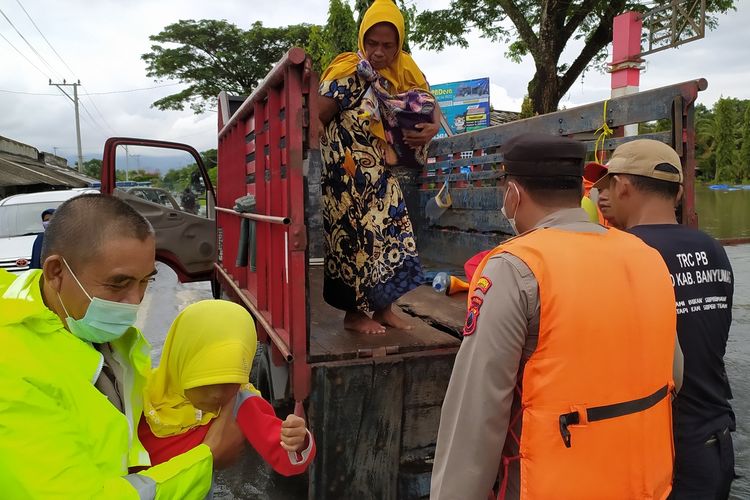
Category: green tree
<point>705,141</point>
<point>656,126</point>
<point>542,29</point>
<point>139,175</point>
<point>177,179</point>
<point>213,174</point>
<point>744,157</point>
<point>93,168</point>
<point>725,142</point>
<point>527,108</point>
<point>317,48</point>
<point>337,36</point>
<point>214,55</point>
<point>340,29</point>
<point>210,158</point>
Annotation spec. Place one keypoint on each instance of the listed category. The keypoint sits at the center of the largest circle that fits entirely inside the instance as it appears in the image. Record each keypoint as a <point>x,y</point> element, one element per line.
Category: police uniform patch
<point>484,284</point>
<point>472,316</point>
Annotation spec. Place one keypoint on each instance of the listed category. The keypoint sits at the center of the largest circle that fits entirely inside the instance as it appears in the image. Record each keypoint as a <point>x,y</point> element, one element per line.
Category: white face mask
<point>45,224</point>
<point>511,220</point>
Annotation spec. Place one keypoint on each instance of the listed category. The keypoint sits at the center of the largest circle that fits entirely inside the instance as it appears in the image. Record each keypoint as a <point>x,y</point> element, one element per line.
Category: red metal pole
<point>625,67</point>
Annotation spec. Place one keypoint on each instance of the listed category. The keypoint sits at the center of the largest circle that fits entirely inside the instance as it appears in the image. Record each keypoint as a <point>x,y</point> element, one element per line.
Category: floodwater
<point>738,366</point>
<point>722,214</point>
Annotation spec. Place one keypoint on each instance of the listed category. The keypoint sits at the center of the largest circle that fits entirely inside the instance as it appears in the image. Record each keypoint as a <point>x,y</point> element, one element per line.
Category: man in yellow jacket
<point>73,367</point>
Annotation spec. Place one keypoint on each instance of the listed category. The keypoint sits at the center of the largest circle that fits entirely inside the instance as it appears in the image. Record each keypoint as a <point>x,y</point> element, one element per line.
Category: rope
<point>507,458</point>
<point>602,134</point>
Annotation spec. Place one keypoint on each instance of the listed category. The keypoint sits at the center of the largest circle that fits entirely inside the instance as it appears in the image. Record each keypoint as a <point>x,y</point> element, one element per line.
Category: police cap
<point>542,155</point>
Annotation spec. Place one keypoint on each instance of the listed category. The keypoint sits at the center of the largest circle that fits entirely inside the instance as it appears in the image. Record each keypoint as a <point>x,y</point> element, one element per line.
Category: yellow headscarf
<point>210,342</point>
<point>403,73</point>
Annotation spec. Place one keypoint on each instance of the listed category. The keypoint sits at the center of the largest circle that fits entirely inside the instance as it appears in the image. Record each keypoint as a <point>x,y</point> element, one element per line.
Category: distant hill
<point>147,163</point>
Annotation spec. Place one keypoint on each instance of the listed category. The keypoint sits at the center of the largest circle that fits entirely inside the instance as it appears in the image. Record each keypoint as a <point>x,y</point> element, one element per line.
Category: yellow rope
<point>602,133</point>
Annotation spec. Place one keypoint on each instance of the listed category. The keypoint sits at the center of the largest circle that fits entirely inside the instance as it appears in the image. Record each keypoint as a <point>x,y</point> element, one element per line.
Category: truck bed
<point>437,321</point>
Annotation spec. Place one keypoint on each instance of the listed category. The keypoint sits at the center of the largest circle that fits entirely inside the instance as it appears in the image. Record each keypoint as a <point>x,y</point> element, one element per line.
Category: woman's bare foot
<point>387,317</point>
<point>359,322</point>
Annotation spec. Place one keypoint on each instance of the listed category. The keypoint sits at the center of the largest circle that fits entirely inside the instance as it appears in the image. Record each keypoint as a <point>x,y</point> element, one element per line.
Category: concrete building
<point>24,169</point>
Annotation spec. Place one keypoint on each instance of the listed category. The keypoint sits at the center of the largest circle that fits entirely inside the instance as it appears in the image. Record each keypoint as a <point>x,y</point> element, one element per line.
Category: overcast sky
<point>102,43</point>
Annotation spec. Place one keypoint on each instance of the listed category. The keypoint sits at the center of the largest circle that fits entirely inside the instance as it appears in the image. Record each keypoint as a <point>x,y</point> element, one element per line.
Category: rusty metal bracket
<point>298,237</point>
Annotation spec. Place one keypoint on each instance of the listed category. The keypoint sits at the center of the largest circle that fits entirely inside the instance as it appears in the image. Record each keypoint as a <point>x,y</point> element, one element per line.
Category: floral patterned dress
<point>371,255</point>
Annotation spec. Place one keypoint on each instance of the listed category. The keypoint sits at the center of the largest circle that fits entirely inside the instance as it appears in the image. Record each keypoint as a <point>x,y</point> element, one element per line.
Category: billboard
<point>466,104</point>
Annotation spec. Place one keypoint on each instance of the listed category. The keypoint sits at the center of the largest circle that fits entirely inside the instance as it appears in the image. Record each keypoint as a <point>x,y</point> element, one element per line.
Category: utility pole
<point>78,121</point>
<point>127,163</point>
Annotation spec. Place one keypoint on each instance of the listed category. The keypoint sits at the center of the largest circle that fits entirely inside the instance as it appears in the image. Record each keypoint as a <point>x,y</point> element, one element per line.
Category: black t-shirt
<point>704,285</point>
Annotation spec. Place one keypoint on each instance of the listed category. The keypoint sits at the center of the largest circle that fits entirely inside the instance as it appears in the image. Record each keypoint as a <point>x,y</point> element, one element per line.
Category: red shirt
<point>258,422</point>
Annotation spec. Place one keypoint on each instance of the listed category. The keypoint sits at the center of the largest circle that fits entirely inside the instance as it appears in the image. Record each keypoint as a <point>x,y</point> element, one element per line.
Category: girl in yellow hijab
<point>203,379</point>
<point>371,254</point>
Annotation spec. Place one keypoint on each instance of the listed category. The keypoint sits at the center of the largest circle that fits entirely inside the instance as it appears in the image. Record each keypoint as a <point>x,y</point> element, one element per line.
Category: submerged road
<point>252,479</point>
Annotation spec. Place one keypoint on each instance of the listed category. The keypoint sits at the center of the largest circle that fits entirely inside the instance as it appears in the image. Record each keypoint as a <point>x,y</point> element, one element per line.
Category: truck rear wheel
<point>260,375</point>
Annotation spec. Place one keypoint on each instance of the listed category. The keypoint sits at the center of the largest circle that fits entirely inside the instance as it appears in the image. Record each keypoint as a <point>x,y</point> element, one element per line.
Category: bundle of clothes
<point>397,113</point>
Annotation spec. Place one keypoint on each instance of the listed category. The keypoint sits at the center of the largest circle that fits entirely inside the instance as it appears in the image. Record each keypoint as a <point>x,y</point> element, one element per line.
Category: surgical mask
<point>511,220</point>
<point>45,224</point>
<point>104,320</point>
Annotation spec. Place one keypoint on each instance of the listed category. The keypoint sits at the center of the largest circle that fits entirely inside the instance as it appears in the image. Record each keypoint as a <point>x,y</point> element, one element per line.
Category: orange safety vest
<point>595,406</point>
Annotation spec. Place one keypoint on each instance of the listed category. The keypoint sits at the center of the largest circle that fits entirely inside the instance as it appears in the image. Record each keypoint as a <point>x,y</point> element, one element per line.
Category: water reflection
<point>723,214</point>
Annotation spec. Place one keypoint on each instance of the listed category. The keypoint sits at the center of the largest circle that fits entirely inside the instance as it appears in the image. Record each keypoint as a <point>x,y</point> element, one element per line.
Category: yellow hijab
<point>403,73</point>
<point>210,342</point>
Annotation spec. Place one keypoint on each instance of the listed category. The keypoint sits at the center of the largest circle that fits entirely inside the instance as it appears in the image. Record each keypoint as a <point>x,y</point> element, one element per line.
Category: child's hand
<point>225,438</point>
<point>293,433</point>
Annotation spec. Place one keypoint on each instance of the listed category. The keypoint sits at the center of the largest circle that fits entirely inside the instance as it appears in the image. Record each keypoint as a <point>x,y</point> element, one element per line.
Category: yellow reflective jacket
<point>59,436</point>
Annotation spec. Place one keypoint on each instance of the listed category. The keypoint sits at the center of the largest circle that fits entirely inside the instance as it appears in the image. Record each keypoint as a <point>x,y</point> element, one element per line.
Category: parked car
<point>154,195</point>
<point>21,221</point>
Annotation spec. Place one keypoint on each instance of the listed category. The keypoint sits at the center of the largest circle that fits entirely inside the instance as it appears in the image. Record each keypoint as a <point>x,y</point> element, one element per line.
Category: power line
<point>25,93</point>
<point>49,44</point>
<point>29,43</point>
<point>6,91</point>
<point>133,90</point>
<point>96,122</point>
<point>98,112</point>
<point>101,115</point>
<point>44,37</point>
<point>24,56</point>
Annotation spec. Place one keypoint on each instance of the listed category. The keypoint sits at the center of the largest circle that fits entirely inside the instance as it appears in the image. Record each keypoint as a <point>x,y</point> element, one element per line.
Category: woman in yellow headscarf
<point>203,380</point>
<point>371,254</point>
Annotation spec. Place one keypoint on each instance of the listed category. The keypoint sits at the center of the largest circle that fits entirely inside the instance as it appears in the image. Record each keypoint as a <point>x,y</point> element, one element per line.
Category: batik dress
<point>370,250</point>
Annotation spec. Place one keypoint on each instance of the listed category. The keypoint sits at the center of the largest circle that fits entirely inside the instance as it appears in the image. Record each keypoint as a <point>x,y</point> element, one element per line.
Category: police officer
<point>589,378</point>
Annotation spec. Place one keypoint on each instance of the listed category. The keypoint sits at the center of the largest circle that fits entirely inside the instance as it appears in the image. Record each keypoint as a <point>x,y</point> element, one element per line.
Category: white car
<point>21,221</point>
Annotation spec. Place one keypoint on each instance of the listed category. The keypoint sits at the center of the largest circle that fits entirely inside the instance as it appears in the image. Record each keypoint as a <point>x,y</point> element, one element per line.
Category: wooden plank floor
<point>329,341</point>
<point>440,311</point>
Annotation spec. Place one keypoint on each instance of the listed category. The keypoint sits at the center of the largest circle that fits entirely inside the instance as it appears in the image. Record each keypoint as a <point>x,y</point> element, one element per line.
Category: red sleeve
<point>261,427</point>
<point>163,449</point>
